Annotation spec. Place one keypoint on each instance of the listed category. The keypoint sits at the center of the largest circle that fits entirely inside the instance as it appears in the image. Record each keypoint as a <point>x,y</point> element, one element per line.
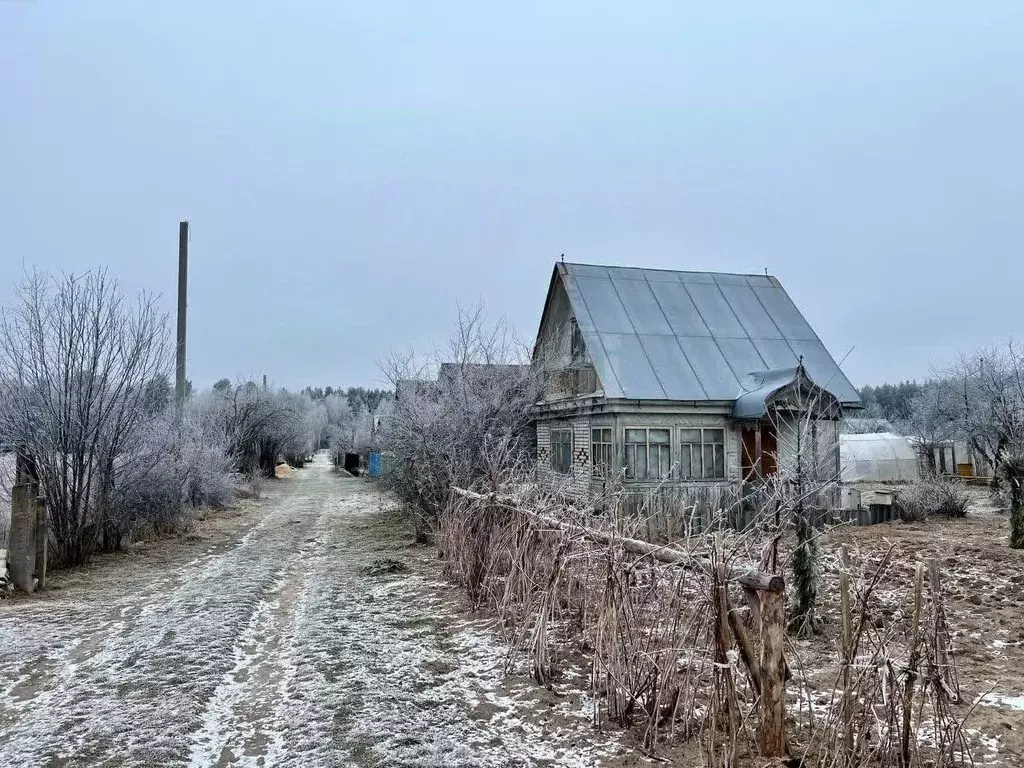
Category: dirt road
<point>268,645</point>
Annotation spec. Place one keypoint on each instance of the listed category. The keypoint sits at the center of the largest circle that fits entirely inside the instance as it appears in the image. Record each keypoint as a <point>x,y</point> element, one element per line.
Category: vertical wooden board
<point>773,692</point>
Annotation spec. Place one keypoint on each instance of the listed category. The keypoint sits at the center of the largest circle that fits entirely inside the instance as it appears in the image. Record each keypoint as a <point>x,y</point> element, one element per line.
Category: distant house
<point>450,374</point>
<point>660,377</point>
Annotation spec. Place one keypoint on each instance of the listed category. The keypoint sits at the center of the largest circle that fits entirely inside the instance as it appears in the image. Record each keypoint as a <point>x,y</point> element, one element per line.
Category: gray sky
<point>351,170</point>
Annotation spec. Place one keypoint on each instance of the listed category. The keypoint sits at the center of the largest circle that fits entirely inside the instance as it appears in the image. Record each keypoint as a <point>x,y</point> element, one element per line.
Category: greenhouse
<point>880,457</point>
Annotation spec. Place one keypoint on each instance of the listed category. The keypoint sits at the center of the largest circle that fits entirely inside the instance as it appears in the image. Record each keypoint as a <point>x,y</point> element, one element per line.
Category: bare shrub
<point>261,425</point>
<point>932,497</point>
<point>77,362</point>
<point>168,470</point>
<point>892,697</point>
<point>470,427</point>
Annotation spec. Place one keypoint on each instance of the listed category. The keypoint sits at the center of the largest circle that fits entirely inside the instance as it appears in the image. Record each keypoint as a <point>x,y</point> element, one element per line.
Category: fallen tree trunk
<point>748,576</point>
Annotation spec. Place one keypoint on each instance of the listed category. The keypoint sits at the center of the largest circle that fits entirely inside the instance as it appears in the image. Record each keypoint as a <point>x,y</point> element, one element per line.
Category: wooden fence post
<point>846,617</point>
<point>773,689</point>
<point>947,672</point>
<point>913,664</point>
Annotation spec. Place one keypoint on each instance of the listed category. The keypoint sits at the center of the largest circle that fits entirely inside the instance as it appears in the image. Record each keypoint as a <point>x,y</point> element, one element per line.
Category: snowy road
<point>273,648</point>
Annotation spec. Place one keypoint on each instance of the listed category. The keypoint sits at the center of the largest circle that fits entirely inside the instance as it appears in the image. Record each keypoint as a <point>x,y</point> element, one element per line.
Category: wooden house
<point>666,378</point>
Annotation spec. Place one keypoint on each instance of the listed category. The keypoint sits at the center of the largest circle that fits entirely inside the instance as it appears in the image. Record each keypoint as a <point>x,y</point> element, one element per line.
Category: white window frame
<point>685,461</point>
<point>602,452</point>
<point>554,454</point>
<point>630,473</point>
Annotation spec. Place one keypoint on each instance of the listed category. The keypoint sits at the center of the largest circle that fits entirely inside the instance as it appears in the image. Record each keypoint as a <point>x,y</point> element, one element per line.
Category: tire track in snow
<point>276,651</point>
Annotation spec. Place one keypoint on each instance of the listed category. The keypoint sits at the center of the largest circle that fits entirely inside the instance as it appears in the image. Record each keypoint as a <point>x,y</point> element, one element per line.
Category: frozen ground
<point>267,645</point>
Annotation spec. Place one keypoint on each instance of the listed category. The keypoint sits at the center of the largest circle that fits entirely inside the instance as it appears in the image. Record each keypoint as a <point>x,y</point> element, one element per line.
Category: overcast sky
<point>352,170</point>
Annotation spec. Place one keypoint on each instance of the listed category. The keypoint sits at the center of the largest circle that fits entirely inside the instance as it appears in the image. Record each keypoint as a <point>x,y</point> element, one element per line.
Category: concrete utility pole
<point>179,383</point>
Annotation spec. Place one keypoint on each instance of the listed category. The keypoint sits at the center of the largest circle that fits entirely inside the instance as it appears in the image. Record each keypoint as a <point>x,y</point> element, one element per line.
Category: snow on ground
<point>274,649</point>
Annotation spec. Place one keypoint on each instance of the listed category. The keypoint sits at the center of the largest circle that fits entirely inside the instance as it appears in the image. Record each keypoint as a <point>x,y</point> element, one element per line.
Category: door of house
<point>769,450</point>
<point>759,447</point>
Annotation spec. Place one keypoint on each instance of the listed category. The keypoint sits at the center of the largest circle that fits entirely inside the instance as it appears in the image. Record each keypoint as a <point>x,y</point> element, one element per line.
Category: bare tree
<point>990,394</point>
<point>78,361</point>
<point>934,418</point>
<point>466,427</point>
<point>262,425</point>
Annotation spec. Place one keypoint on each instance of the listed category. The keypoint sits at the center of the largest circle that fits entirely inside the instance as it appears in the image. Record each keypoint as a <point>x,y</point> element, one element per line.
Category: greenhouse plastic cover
<point>665,335</point>
<point>878,457</point>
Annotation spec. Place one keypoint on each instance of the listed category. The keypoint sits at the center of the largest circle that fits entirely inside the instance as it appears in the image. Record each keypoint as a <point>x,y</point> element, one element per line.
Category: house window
<point>702,454</point>
<point>601,451</point>
<point>648,454</point>
<point>561,450</point>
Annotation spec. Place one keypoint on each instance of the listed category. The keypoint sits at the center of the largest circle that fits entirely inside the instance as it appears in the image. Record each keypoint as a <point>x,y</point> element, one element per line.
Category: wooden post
<point>912,667</point>
<point>722,672</point>
<point>745,644</point>
<point>179,380</point>
<point>846,617</point>
<point>947,675</point>
<point>773,690</point>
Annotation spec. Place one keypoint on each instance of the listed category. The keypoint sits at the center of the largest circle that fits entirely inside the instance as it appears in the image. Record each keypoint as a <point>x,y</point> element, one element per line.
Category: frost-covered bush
<point>261,425</point>
<point>82,367</point>
<point>168,472</point>
<point>930,497</point>
<point>471,427</point>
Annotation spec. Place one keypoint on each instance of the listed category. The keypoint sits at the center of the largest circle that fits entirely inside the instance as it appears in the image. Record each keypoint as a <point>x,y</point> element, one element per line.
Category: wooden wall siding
<point>544,443</point>
<point>582,461</point>
<point>828,449</point>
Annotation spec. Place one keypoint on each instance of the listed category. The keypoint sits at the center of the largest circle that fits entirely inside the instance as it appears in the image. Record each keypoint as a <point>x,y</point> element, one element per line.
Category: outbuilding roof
<point>668,335</point>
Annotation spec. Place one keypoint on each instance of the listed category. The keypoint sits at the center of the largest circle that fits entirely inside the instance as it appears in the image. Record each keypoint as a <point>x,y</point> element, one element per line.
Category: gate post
<point>22,553</point>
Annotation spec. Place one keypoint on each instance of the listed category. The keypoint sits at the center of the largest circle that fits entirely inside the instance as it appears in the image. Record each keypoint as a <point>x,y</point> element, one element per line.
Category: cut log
<point>746,575</point>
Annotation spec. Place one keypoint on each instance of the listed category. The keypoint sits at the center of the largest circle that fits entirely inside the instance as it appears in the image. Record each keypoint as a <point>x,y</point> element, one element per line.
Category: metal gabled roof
<point>667,335</point>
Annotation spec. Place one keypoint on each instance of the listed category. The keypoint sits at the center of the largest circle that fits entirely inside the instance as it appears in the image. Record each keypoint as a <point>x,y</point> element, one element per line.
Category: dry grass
<point>657,637</point>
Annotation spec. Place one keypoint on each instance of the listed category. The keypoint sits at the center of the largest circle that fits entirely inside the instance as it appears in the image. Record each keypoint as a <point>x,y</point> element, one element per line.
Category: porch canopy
<point>790,388</point>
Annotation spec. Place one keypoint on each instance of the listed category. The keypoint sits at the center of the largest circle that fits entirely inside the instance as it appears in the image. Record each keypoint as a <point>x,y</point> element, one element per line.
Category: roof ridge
<point>662,269</point>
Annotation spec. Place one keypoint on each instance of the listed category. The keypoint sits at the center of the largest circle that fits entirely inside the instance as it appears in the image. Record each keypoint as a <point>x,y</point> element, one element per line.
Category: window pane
<point>714,435</point>
<point>720,461</point>
<point>665,463</point>
<point>641,463</point>
<point>636,436</point>
<point>689,436</point>
<point>685,467</point>
<point>606,435</point>
<point>658,436</point>
<point>630,461</point>
<point>709,461</point>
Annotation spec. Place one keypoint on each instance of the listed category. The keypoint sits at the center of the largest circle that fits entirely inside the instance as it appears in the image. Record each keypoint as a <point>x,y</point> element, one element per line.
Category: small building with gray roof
<point>659,377</point>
